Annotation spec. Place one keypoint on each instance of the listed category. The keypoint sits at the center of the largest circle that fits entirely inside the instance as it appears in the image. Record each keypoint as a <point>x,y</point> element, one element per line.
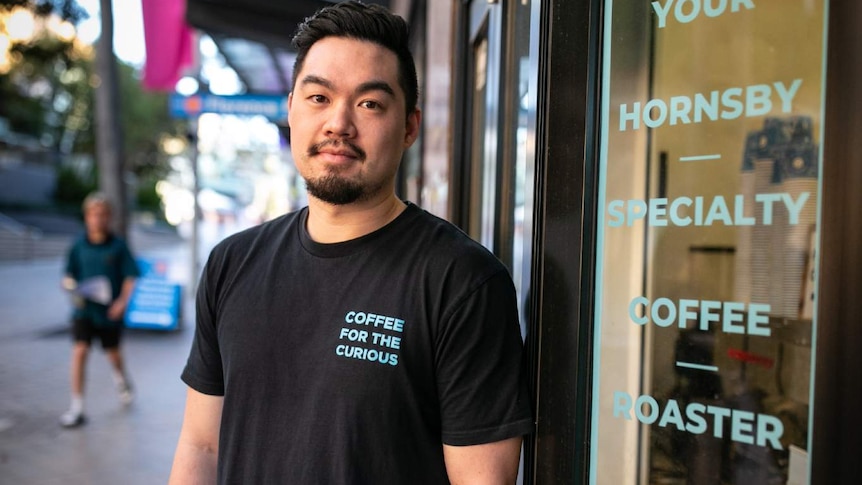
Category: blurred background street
<point>130,446</point>
<point>111,96</point>
<point>163,171</point>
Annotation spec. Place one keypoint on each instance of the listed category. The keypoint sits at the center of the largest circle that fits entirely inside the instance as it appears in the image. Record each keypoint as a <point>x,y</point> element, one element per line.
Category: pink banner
<point>169,43</point>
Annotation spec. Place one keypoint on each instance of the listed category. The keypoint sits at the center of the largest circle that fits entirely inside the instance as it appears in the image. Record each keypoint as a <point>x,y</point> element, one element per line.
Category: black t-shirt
<point>353,362</point>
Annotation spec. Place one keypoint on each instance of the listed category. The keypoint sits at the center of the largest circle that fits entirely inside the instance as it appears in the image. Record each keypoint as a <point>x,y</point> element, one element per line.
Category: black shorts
<point>83,330</point>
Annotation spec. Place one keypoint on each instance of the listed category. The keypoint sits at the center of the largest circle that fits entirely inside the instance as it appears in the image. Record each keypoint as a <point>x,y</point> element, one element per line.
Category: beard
<point>334,188</point>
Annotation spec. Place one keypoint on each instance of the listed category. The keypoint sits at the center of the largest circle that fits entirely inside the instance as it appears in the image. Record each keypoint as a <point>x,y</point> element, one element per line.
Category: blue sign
<point>270,106</point>
<point>155,303</point>
<point>152,268</point>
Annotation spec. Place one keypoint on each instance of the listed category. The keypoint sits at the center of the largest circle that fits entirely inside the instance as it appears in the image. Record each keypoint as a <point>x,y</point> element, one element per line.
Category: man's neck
<point>97,237</point>
<point>328,223</point>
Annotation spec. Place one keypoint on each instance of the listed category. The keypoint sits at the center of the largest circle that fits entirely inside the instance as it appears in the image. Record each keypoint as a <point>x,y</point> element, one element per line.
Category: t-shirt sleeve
<point>481,371</point>
<point>203,371</point>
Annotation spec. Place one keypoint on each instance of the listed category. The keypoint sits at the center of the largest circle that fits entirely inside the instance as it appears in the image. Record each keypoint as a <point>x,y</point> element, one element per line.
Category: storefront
<point>674,185</point>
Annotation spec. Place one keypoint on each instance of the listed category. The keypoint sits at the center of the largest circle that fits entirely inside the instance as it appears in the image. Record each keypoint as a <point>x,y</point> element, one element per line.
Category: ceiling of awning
<point>262,68</point>
<point>254,36</point>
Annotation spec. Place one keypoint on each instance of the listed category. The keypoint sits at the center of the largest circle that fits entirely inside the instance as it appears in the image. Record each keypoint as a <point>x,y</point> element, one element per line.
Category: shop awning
<point>254,36</point>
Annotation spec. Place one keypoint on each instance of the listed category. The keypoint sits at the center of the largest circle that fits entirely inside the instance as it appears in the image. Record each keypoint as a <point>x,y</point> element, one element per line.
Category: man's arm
<point>487,464</point>
<point>118,307</point>
<point>197,448</point>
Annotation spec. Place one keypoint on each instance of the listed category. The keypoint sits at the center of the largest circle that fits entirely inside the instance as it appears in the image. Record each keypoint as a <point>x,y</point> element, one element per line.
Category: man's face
<point>97,219</point>
<point>347,121</point>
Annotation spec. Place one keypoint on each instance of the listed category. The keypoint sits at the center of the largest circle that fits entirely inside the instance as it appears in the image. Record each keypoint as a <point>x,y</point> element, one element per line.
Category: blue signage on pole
<point>155,303</point>
<point>272,107</point>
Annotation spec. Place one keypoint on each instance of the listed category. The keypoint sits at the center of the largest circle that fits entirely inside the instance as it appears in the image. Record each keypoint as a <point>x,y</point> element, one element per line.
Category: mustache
<point>337,144</point>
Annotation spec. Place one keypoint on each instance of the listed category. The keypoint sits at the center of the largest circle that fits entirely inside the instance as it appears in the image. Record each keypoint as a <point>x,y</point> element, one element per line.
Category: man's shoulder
<point>112,241</point>
<point>79,241</point>
<point>445,242</point>
<point>119,242</point>
<point>256,237</point>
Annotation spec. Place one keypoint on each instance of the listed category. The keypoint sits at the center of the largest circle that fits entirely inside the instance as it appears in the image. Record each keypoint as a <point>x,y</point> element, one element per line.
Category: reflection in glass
<point>477,163</point>
<point>524,101</point>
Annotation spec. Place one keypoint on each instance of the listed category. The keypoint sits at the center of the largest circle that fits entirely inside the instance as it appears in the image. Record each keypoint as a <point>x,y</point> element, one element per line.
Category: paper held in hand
<point>96,289</point>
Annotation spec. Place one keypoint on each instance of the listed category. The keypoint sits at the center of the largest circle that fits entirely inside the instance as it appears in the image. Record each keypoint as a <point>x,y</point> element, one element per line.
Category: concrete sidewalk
<point>129,446</point>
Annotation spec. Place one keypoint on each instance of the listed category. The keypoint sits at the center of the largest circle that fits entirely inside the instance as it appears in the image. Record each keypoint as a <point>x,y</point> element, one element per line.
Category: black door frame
<point>838,373</point>
<point>564,245</point>
<point>469,25</point>
<point>461,171</point>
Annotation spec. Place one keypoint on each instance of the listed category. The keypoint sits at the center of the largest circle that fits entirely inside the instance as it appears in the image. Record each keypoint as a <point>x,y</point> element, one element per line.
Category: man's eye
<point>370,104</point>
<point>317,98</point>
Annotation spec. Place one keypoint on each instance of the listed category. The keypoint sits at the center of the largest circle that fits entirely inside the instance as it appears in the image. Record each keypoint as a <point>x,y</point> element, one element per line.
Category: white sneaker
<point>126,396</point>
<point>71,419</point>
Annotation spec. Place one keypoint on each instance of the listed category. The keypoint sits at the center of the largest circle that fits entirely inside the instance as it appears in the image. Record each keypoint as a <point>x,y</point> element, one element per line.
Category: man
<point>100,274</point>
<point>360,339</point>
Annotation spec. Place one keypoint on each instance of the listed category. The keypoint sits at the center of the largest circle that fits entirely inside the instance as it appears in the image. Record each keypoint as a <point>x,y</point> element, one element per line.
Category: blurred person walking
<point>359,339</point>
<point>100,275</point>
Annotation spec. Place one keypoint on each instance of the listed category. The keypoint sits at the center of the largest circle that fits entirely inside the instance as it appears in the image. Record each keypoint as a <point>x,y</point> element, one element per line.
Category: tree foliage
<point>65,9</point>
<point>47,91</point>
<point>146,122</point>
<point>48,95</point>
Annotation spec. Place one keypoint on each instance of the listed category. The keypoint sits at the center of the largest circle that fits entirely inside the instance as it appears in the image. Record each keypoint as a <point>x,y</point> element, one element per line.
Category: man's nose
<point>340,123</point>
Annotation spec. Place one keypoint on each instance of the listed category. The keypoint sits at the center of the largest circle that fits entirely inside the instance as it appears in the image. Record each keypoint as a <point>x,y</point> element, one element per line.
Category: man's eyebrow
<point>375,86</point>
<point>312,79</point>
<point>361,89</point>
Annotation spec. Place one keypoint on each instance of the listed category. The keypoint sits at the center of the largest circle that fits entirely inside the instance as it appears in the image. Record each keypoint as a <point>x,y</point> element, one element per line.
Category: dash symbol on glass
<point>712,368</point>
<point>700,158</point>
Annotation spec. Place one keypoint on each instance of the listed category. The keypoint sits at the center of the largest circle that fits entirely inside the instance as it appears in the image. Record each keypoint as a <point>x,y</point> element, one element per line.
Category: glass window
<point>709,187</point>
<point>524,100</point>
<point>481,181</point>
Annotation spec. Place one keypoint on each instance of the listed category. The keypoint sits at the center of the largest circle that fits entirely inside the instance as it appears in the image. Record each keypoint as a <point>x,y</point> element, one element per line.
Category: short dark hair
<point>356,20</point>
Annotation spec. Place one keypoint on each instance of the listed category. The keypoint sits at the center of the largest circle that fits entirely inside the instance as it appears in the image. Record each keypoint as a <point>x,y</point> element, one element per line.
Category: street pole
<point>195,242</point>
<point>109,132</point>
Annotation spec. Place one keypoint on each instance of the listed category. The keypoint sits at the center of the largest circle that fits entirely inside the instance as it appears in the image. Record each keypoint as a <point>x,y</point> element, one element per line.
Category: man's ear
<point>289,105</point>
<point>414,120</point>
